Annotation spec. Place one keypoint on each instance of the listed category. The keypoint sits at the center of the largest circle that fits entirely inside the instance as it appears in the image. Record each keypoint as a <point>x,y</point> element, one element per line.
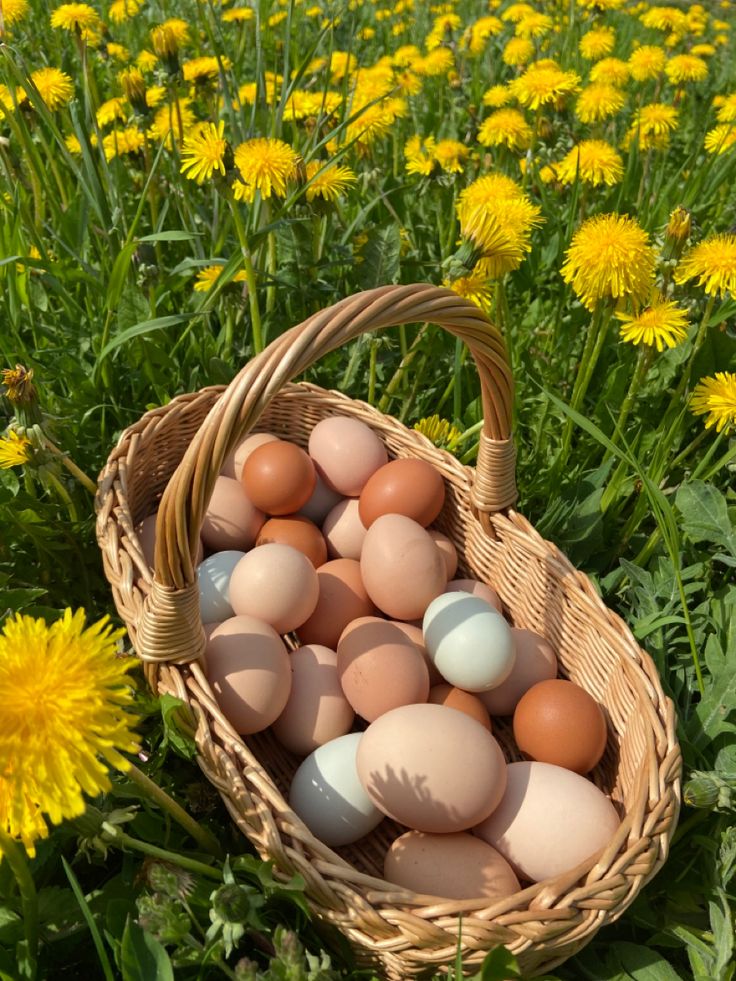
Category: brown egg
<point>475,588</point>
<point>414,632</point>
<point>535,661</point>
<point>233,465</point>
<point>344,531</point>
<point>346,453</point>
<point>560,723</point>
<point>379,668</point>
<point>447,549</point>
<point>409,487</point>
<point>146,532</point>
<point>279,477</point>
<point>342,598</point>
<point>275,583</point>
<point>300,533</point>
<point>231,520</point>
<point>320,503</point>
<point>461,700</point>
<point>453,866</point>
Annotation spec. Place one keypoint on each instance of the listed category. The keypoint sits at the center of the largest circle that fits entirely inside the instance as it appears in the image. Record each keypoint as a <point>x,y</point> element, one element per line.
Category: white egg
<point>468,641</point>
<point>328,796</point>
<point>213,576</point>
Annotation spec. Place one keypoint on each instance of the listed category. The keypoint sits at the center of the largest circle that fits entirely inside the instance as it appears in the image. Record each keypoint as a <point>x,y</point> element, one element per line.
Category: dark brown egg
<point>279,477</point>
<point>342,598</point>
<point>301,533</point>
<point>409,487</point>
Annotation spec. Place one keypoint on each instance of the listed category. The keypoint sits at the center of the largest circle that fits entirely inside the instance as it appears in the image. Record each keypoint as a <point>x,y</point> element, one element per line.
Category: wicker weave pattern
<point>406,933</point>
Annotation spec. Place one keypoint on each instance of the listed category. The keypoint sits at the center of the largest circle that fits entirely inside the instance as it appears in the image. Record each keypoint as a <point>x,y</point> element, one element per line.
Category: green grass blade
<point>90,921</point>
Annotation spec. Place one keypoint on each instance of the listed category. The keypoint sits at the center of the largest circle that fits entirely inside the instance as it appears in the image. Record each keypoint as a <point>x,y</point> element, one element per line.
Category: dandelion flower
<point>328,182</point>
<point>9,100</point>
<point>419,155</point>
<point>647,62</point>
<point>442,28</point>
<point>597,43</point>
<point>110,111</point>
<point>474,287</point>
<point>595,162</point>
<point>341,64</point>
<point>54,86</point>
<point>76,17</point>
<point>679,225</point>
<point>598,102</point>
<point>534,25</point>
<point>497,217</point>
<point>517,12</point>
<point>479,33</point>
<point>661,324</point>
<point>686,68</point>
<point>451,155</point>
<point>713,262</point>
<point>64,722</point>
<point>208,276</point>
<point>15,450</point>
<point>716,397</point>
<point>506,127</point>
<point>203,152</point>
<point>237,15</point>
<point>665,19</point>
<point>613,71</point>
<point>73,145</point>
<point>121,142</point>
<point>703,50</point>
<point>18,384</point>
<point>609,258</point>
<point>653,124</point>
<point>172,120</point>
<point>720,138</point>
<point>438,62</point>
<point>543,84</point>
<point>266,165</point>
<point>727,110</point>
<point>13,11</point>
<point>133,85</point>
<point>122,10</point>
<point>518,52</point>
<point>497,96</point>
<point>201,69</point>
<point>441,432</point>
<point>146,61</point>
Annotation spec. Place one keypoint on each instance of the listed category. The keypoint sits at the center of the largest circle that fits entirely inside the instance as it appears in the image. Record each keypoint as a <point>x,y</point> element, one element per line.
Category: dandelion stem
<point>204,838</point>
<point>646,353</point>
<point>588,360</point>
<point>13,855</point>
<point>71,466</point>
<point>250,278</point>
<point>64,495</point>
<point>122,840</point>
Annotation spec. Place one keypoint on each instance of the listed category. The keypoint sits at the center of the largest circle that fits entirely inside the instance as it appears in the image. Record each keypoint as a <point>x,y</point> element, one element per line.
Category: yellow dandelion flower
<point>146,61</point>
<point>203,151</point>
<point>266,165</point>
<point>679,225</point>
<point>122,10</point>
<point>517,12</point>
<point>10,100</point>
<point>686,68</point>
<point>506,127</point>
<point>409,82</point>
<point>543,84</point>
<point>602,5</point>
<point>442,29</point>
<point>497,96</point>
<point>374,121</point>
<point>451,155</point>
<point>110,111</point>
<point>534,25</point>
<point>438,62</point>
<point>609,258</point>
<point>716,397</point>
<point>497,217</point>
<point>480,32</point>
<point>518,52</point>
<point>406,56</point>
<point>594,162</point>
<point>653,124</point>
<point>15,450</point>
<point>647,62</point>
<point>713,263</point>
<point>118,52</point>
<point>54,86</point>
<point>200,69</point>
<point>661,324</point>
<point>238,15</point>
<point>133,85</point>
<point>720,138</point>
<point>703,50</point>
<point>597,43</point>
<point>612,71</point>
<point>208,276</point>
<point>665,19</point>
<point>727,109</point>
<point>275,19</point>
<point>419,155</point>
<point>472,287</point>
<point>341,64</point>
<point>73,145</point>
<point>598,102</point>
<point>178,28</point>
<point>65,719</point>
<point>121,142</point>
<point>172,122</point>
<point>76,17</point>
<point>13,11</point>
<point>155,95</point>
<point>328,182</point>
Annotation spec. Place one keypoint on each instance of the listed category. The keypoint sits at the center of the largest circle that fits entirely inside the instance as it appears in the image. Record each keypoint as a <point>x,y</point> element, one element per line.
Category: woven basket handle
<point>171,610</point>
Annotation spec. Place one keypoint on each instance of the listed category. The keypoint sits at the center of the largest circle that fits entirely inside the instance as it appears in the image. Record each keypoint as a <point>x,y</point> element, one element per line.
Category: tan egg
<point>462,701</point>
<point>233,465</point>
<point>475,588</point>
<point>344,531</point>
<point>535,662</point>
<point>410,487</point>
<point>414,632</point>
<point>279,477</point>
<point>346,452</point>
<point>401,566</point>
<point>451,866</point>
<point>549,821</point>
<point>379,668</point>
<point>146,532</point>
<point>248,667</point>
<point>448,550</point>
<point>317,710</point>
<point>322,501</point>
<point>231,520</point>
<point>299,532</point>
<point>276,583</point>
<point>342,598</point>
<point>431,768</point>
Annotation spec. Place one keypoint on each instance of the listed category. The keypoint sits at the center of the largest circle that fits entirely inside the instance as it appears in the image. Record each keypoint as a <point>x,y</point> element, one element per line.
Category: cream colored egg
<point>231,520</point>
<point>535,661</point>
<point>448,550</point>
<point>344,531</point>
<point>346,453</point>
<point>276,583</point>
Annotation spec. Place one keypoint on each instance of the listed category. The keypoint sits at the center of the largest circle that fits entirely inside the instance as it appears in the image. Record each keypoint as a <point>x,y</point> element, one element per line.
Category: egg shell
<point>344,531</point>
<point>233,465</point>
<point>401,566</point>
<point>317,710</point>
<point>342,598</point>
<point>469,641</point>
<point>279,477</point>
<point>297,531</point>
<point>450,866</point>
<point>231,520</point>
<point>476,588</point>
<point>462,701</point>
<point>431,768</point>
<point>328,796</point>
<point>322,501</point>
<point>379,667</point>
<point>213,582</point>
<point>410,487</point>
<point>535,661</point>
<point>414,632</point>
<point>276,583</point>
<point>248,667</point>
<point>146,532</point>
<point>549,821</point>
<point>447,549</point>
<point>558,722</point>
<point>346,452</point>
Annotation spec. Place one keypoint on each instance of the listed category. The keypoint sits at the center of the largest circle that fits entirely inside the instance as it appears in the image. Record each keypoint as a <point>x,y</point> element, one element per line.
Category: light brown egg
<point>342,598</point>
<point>231,520</point>
<point>146,532</point>
<point>463,701</point>
<point>475,588</point>
<point>275,583</point>
<point>414,632</point>
<point>535,661</point>
<point>299,532</point>
<point>410,487</point>
<point>379,668</point>
<point>451,866</point>
<point>233,465</point>
<point>344,531</point>
<point>317,710</point>
<point>279,477</point>
<point>248,667</point>
<point>346,452</point>
<point>448,550</point>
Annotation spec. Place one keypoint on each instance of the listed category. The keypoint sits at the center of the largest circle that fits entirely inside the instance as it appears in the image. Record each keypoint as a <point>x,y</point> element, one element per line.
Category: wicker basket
<point>169,461</point>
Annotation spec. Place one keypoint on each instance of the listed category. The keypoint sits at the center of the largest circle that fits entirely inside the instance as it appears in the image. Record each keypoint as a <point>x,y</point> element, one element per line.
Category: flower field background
<point>181,184</point>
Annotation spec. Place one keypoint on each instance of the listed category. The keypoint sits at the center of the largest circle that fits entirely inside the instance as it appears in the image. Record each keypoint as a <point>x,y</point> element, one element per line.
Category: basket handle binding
<point>170,626</point>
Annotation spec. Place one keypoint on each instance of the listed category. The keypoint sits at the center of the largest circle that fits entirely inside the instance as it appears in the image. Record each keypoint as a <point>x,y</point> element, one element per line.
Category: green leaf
<point>142,957</point>
<point>499,965</point>
<point>175,735</point>
<point>380,265</point>
<point>643,964</point>
<point>90,921</point>
<point>146,327</point>
<point>705,515</point>
<point>172,236</point>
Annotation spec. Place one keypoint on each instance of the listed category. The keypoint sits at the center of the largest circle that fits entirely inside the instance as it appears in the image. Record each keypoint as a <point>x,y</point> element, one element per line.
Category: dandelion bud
<point>18,386</point>
<point>134,89</point>
<point>166,47</point>
<point>163,917</point>
<point>678,227</point>
<point>710,791</point>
